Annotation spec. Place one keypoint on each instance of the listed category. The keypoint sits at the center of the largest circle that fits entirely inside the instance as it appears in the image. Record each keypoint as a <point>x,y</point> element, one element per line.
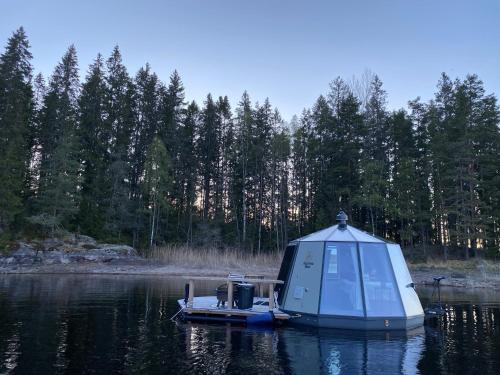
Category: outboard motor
<point>435,308</point>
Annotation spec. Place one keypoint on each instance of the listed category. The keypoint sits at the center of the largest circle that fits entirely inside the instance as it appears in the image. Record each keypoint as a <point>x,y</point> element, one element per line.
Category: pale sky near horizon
<point>288,51</point>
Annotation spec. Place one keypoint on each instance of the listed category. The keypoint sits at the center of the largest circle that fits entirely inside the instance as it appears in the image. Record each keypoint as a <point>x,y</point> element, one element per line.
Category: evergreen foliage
<point>128,159</point>
<point>16,116</point>
<point>58,195</point>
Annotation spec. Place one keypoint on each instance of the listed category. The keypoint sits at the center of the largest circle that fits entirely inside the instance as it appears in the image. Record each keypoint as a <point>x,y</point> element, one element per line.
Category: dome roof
<point>336,233</point>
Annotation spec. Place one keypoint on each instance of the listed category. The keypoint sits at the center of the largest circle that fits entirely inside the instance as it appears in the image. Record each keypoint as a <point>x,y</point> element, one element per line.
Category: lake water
<point>120,325</point>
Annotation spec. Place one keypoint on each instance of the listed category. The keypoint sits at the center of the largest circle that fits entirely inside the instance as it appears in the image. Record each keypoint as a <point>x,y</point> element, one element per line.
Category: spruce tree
<point>402,207</point>
<point>16,117</point>
<point>95,140</point>
<point>374,169</point>
<point>187,170</point>
<point>300,178</point>
<point>240,155</point>
<point>279,180</point>
<point>157,183</point>
<point>172,108</point>
<point>120,110</point>
<point>148,93</point>
<point>423,207</point>
<point>208,154</point>
<point>58,194</point>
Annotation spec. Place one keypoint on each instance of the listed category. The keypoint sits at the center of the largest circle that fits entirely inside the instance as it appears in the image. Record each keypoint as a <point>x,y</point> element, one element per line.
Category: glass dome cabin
<point>342,277</point>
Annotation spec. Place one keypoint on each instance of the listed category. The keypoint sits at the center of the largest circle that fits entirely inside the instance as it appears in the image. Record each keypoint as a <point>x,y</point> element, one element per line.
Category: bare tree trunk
<point>153,216</point>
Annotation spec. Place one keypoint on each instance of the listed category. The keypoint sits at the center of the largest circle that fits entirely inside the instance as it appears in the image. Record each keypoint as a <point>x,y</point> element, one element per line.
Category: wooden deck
<point>207,306</point>
<point>230,280</point>
<point>204,308</point>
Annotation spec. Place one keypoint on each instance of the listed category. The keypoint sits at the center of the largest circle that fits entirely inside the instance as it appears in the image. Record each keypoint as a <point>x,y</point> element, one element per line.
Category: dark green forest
<point>127,158</point>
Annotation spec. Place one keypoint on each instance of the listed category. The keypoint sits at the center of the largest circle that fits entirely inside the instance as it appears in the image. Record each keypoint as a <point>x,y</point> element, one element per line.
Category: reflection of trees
<point>116,325</point>
<point>76,324</point>
<point>215,349</point>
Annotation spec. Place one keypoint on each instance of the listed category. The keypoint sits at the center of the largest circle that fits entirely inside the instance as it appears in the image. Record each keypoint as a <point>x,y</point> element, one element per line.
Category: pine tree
<point>473,111</point>
<point>172,108</point>
<point>225,137</point>
<point>16,116</point>
<point>403,177</point>
<point>323,186</point>
<point>147,114</point>
<point>129,159</point>
<point>187,169</point>
<point>487,150</point>
<point>374,162</point>
<point>95,140</point>
<point>300,179</point>
<point>32,180</point>
<point>157,183</point>
<point>121,118</point>
<point>279,200</point>
<point>58,195</point>
<point>419,118</point>
<point>261,152</point>
<point>348,134</point>
<point>208,154</point>
<point>239,165</point>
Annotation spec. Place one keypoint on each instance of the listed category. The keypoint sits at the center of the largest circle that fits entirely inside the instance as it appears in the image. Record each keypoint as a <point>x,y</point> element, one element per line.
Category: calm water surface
<point>120,325</point>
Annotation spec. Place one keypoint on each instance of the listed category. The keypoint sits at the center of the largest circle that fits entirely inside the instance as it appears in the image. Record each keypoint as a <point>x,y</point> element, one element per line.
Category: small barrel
<point>245,296</point>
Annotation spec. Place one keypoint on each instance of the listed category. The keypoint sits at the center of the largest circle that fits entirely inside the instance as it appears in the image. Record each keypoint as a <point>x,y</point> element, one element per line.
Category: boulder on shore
<point>71,249</point>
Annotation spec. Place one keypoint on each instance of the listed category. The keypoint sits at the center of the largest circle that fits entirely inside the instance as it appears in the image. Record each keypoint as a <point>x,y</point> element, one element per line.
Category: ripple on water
<point>120,325</point>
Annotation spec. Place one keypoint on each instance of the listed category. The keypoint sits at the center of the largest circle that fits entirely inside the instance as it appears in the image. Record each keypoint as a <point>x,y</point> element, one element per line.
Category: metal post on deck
<point>191,293</point>
<point>271,296</point>
<point>230,294</point>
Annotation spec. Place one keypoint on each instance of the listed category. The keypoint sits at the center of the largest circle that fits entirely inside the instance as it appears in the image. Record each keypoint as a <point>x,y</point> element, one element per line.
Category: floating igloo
<point>342,277</point>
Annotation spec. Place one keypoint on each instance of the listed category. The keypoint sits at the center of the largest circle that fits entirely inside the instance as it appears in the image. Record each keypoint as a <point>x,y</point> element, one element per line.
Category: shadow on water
<point>120,325</point>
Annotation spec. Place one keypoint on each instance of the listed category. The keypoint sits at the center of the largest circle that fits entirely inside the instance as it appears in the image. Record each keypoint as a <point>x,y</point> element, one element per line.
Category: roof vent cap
<point>342,220</point>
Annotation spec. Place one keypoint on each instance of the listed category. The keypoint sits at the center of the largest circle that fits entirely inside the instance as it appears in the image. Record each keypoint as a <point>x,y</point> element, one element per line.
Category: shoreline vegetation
<point>125,157</point>
<point>83,255</point>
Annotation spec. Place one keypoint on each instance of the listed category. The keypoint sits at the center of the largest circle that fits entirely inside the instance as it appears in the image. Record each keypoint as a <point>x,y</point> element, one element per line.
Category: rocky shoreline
<point>74,249</point>
<point>77,254</point>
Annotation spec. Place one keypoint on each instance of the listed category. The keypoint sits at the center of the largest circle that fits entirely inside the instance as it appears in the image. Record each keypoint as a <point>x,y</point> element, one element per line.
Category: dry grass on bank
<point>213,258</point>
<point>467,266</point>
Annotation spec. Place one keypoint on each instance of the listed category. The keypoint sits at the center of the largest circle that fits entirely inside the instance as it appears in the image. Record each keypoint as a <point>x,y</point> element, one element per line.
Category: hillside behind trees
<point>127,158</point>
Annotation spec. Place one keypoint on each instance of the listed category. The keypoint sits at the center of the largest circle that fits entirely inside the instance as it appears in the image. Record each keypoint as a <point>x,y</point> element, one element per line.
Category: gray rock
<point>120,250</point>
<point>24,250</point>
<point>81,239</point>
<point>54,257</point>
<point>51,244</point>
<point>74,249</point>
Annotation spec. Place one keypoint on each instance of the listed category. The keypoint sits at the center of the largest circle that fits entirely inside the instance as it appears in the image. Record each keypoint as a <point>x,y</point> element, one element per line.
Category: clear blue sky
<point>285,50</point>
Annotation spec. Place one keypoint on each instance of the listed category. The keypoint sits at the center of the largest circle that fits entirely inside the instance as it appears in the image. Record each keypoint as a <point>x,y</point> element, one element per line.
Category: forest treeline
<point>127,158</point>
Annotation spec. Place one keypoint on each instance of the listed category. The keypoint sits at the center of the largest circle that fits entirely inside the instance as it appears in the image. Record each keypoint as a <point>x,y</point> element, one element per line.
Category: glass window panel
<point>381,291</point>
<point>285,270</point>
<point>341,288</point>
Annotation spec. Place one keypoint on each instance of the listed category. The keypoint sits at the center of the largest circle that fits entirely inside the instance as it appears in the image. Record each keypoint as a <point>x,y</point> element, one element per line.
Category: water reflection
<point>120,325</point>
<point>354,352</point>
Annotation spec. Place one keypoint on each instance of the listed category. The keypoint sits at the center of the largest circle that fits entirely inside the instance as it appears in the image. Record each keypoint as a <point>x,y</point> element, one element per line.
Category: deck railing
<point>230,287</point>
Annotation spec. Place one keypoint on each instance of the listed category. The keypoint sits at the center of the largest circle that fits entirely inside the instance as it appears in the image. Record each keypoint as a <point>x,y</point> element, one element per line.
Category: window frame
<point>392,275</point>
<point>359,281</point>
<point>362,281</point>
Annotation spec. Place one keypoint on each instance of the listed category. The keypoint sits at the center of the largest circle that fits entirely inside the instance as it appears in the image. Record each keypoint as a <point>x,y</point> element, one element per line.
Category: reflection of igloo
<point>343,352</point>
<point>343,277</point>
